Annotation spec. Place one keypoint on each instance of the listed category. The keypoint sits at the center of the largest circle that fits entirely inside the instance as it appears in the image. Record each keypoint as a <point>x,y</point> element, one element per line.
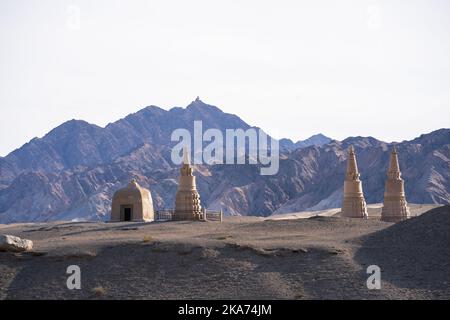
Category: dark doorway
<point>127,214</point>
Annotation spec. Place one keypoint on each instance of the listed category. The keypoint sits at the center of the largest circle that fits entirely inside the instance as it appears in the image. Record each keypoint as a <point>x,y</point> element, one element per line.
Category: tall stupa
<point>187,201</point>
<point>354,204</point>
<point>395,207</point>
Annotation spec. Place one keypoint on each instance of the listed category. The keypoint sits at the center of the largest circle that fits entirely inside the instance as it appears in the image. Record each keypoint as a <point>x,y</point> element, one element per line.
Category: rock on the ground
<point>14,244</point>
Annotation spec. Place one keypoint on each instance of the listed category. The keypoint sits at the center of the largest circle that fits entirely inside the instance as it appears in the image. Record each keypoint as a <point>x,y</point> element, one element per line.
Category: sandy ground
<point>240,258</point>
<point>374,211</point>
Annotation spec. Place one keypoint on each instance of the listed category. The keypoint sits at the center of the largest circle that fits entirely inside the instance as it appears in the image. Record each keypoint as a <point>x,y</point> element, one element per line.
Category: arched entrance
<point>126,212</point>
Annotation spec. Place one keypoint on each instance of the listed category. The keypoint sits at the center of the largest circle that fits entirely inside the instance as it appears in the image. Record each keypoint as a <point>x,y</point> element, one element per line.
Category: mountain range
<point>72,172</point>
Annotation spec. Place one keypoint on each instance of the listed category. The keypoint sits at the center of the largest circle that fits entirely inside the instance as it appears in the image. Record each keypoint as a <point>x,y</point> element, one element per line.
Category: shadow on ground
<point>413,254</point>
<point>178,271</point>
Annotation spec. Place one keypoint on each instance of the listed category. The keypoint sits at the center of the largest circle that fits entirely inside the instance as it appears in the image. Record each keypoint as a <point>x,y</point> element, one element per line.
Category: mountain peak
<point>198,102</point>
<point>199,105</point>
<point>318,136</point>
<point>72,125</point>
<point>315,140</point>
<point>151,110</point>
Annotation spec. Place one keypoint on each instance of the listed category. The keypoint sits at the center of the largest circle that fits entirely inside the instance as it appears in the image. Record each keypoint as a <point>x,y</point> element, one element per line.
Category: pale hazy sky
<point>293,68</point>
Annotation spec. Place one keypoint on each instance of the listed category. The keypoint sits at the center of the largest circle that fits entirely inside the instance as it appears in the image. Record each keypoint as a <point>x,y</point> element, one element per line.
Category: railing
<point>164,215</point>
<point>208,215</point>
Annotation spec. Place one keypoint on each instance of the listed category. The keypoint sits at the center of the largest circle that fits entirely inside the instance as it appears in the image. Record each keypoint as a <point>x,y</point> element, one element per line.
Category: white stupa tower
<point>354,204</point>
<point>395,207</point>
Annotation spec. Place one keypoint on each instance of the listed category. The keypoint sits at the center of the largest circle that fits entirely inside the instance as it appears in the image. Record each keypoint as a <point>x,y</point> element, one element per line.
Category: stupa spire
<point>395,207</point>
<point>394,167</point>
<point>186,156</point>
<point>353,204</point>
<point>352,167</point>
<point>187,201</point>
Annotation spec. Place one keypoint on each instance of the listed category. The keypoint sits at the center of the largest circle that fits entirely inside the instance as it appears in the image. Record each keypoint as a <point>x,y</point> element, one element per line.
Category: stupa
<point>354,204</point>
<point>187,201</point>
<point>395,207</point>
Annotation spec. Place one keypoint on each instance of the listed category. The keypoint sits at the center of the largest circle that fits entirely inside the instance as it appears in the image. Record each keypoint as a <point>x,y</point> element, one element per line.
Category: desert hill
<point>241,258</point>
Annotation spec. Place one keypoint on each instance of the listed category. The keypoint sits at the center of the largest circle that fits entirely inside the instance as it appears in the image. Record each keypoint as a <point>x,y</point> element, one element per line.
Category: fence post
<point>221,215</point>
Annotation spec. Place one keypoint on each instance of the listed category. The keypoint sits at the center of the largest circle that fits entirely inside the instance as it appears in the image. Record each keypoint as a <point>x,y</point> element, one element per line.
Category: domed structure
<point>132,203</point>
<point>354,204</point>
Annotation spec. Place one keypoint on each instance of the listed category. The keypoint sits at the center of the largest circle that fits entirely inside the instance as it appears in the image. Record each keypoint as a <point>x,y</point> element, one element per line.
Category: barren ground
<point>240,258</point>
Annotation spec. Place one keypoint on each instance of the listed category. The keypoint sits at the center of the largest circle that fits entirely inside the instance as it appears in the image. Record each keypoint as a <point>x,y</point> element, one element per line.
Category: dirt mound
<point>414,253</point>
<point>240,258</point>
<point>430,229</point>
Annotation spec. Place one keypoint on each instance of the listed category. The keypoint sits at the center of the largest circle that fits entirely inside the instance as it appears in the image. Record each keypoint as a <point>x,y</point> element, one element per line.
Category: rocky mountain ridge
<point>72,172</point>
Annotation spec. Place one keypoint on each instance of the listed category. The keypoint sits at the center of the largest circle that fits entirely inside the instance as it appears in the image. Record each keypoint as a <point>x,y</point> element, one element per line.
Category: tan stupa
<point>187,201</point>
<point>354,204</point>
<point>395,207</point>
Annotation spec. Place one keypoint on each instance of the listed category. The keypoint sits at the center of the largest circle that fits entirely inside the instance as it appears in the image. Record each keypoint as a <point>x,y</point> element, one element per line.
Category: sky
<point>294,68</point>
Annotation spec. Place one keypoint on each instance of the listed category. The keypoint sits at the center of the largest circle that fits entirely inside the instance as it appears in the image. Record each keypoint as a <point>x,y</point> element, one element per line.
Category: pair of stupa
<point>134,203</point>
<point>395,207</point>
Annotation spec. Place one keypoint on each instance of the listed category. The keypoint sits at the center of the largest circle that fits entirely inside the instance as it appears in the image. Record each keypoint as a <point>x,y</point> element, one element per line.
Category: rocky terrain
<point>72,172</point>
<point>240,258</point>
<point>315,140</point>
